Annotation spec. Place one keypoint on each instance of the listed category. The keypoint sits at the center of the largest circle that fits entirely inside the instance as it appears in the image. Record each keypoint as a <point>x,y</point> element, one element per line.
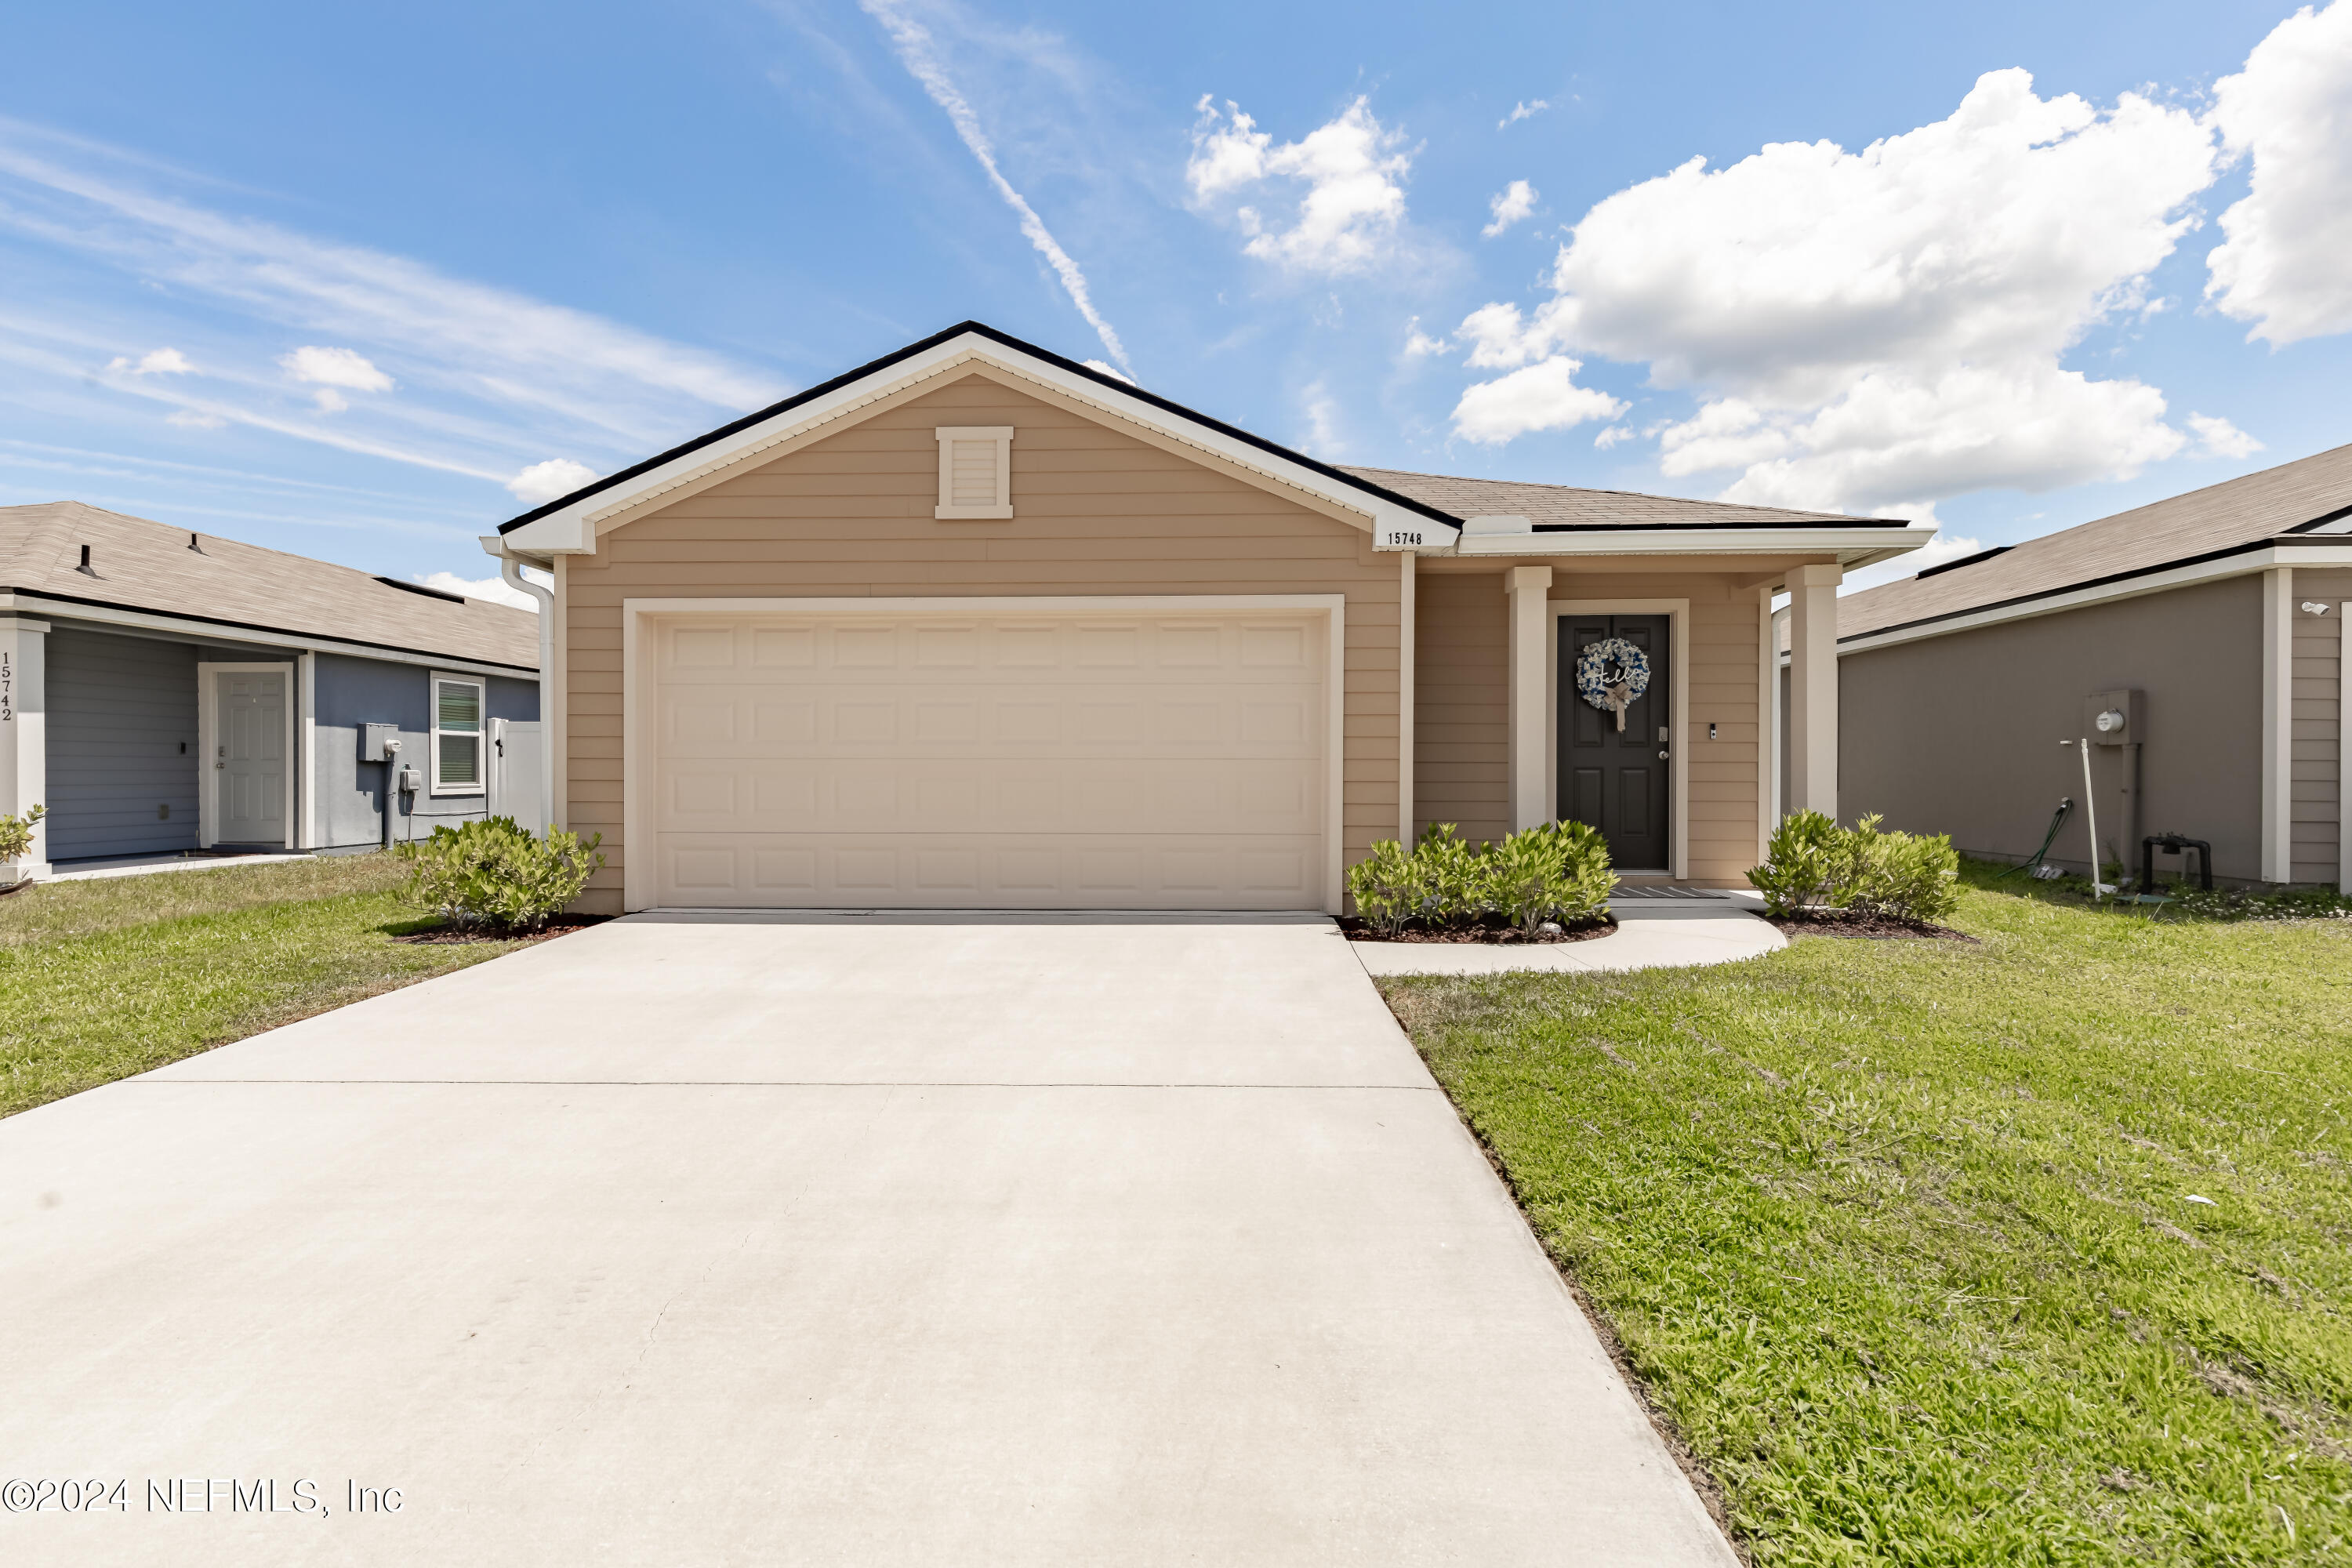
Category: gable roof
<point>1403,510</point>
<point>136,565</point>
<point>815,398</point>
<point>2221,520</point>
<point>1561,507</point>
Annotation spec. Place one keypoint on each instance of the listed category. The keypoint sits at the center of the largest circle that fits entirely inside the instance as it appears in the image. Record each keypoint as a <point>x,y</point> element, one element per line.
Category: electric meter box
<point>372,739</point>
<point>2115,718</point>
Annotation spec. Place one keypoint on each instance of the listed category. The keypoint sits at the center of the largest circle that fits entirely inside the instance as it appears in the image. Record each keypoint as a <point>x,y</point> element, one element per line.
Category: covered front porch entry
<point>1687,789</point>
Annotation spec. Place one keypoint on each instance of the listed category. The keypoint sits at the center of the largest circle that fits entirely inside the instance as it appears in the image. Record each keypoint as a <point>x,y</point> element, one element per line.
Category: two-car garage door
<point>1021,758</point>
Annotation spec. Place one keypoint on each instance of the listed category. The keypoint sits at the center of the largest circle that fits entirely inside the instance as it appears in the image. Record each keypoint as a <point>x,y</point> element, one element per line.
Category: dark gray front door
<point>1617,780</point>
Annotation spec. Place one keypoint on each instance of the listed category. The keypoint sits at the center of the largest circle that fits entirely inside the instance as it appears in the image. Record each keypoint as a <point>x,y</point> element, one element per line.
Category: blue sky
<point>361,283</point>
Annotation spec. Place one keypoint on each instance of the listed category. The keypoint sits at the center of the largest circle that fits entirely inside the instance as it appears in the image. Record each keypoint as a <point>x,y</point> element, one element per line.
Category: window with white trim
<point>458,728</point>
<point>975,470</point>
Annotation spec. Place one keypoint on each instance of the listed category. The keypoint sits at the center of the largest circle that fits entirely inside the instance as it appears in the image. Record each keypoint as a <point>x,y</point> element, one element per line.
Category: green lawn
<point>1908,1240</point>
<point>100,979</point>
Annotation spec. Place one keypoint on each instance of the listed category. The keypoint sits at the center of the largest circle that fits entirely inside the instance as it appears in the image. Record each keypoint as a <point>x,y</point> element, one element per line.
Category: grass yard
<point>2035,1251</point>
<point>100,979</point>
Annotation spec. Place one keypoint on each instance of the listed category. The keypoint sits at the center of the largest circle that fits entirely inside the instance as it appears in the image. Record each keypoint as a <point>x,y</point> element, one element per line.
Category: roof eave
<point>1852,546</point>
<point>2233,561</point>
<point>568,526</point>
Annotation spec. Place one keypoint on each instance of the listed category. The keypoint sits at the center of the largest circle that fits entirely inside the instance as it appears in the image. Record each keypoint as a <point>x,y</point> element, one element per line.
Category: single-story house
<point>2207,629</point>
<point>166,692</point>
<point>977,626</point>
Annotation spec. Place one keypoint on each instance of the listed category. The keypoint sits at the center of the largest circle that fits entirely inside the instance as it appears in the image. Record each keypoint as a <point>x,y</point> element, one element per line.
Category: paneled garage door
<point>994,760</point>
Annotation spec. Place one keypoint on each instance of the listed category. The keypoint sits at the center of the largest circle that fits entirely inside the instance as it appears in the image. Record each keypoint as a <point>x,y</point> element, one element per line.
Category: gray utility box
<point>2126,706</point>
<point>372,739</point>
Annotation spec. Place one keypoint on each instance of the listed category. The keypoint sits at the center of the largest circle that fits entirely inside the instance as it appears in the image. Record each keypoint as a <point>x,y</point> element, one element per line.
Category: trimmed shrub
<point>494,874</point>
<point>1813,864</point>
<point>16,833</point>
<point>1799,864</point>
<point>1902,876</point>
<point>1558,871</point>
<point>1450,876</point>
<point>1386,887</point>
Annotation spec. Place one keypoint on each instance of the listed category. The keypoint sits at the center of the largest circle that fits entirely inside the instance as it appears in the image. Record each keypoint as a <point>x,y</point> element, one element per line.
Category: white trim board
<point>571,529</point>
<point>2342,748</point>
<point>1679,616</point>
<point>1852,547</point>
<point>636,870</point>
<point>208,743</point>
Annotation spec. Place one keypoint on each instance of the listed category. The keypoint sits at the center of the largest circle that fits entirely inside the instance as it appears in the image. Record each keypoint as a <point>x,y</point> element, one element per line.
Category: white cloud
<point>155,361</point>
<point>494,589</point>
<point>542,482</point>
<point>1895,441</point>
<point>1883,327</point>
<point>919,53</point>
<point>1542,397</point>
<point>1419,344</point>
<point>1611,437</point>
<point>1524,110</point>
<point>521,355</point>
<point>1322,410</point>
<point>1347,218</point>
<point>2216,437</point>
<point>1109,370</point>
<point>334,367</point>
<point>195,419</point>
<point>2284,265</point>
<point>1510,205</point>
<point>329,401</point>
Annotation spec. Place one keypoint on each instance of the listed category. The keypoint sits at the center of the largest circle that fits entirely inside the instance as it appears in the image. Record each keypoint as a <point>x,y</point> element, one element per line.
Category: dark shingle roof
<point>1561,506</point>
<point>144,565</point>
<point>2234,514</point>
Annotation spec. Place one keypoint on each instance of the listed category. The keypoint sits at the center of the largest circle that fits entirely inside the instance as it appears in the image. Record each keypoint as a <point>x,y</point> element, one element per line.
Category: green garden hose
<point>2057,820</point>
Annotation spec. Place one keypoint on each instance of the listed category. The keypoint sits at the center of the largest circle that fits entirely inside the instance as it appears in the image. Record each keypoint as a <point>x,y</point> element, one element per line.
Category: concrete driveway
<point>894,1240</point>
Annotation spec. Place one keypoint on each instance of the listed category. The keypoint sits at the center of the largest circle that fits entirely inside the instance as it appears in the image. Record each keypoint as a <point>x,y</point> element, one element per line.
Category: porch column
<point>1813,689</point>
<point>24,733</point>
<point>1530,588</point>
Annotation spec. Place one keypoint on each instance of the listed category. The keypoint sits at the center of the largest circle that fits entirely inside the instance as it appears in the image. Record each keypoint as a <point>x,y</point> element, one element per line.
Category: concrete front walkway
<point>900,1240</point>
<point>1652,933</point>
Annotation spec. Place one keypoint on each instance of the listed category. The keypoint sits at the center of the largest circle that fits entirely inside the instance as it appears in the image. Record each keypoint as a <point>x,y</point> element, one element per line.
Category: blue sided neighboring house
<point>165,693</point>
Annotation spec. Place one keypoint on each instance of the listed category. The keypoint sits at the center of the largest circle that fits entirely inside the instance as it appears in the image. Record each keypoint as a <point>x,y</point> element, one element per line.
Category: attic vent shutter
<point>975,471</point>
<point>972,473</point>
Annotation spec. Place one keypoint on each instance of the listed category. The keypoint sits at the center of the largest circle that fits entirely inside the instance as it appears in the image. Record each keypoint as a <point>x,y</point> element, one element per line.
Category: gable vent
<point>975,471</point>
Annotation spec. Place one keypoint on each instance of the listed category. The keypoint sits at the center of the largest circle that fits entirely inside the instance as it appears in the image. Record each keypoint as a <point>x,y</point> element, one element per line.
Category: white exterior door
<point>249,759</point>
<point>1015,760</point>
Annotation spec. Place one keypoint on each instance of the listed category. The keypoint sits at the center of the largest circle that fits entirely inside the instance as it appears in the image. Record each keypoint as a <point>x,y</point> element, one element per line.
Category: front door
<point>1617,779</point>
<point>249,758</point>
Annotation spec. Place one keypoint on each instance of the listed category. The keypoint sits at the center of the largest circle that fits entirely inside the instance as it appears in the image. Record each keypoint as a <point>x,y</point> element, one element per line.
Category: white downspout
<point>510,572</point>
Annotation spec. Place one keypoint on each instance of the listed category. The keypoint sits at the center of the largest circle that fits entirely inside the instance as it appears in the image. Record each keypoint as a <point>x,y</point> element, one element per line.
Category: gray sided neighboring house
<point>2213,621</point>
<point>164,692</point>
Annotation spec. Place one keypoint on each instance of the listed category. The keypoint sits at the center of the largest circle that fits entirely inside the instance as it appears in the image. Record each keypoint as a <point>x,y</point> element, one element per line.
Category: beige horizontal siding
<point>1462,742</point>
<point>1095,511</point>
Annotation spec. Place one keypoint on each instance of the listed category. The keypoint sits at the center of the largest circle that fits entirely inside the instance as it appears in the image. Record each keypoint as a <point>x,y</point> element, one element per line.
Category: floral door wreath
<point>1612,673</point>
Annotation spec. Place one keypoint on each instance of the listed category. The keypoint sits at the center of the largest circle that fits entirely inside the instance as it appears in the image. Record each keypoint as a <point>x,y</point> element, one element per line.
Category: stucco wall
<point>1962,733</point>
<point>2317,721</point>
<point>1097,511</point>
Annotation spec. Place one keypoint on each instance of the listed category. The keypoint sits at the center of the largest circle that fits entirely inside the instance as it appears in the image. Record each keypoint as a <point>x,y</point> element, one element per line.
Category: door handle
<point>1662,756</point>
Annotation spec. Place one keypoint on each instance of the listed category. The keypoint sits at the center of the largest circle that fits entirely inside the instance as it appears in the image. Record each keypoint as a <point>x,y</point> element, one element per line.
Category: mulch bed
<point>1868,928</point>
<point>1493,933</point>
<point>457,936</point>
